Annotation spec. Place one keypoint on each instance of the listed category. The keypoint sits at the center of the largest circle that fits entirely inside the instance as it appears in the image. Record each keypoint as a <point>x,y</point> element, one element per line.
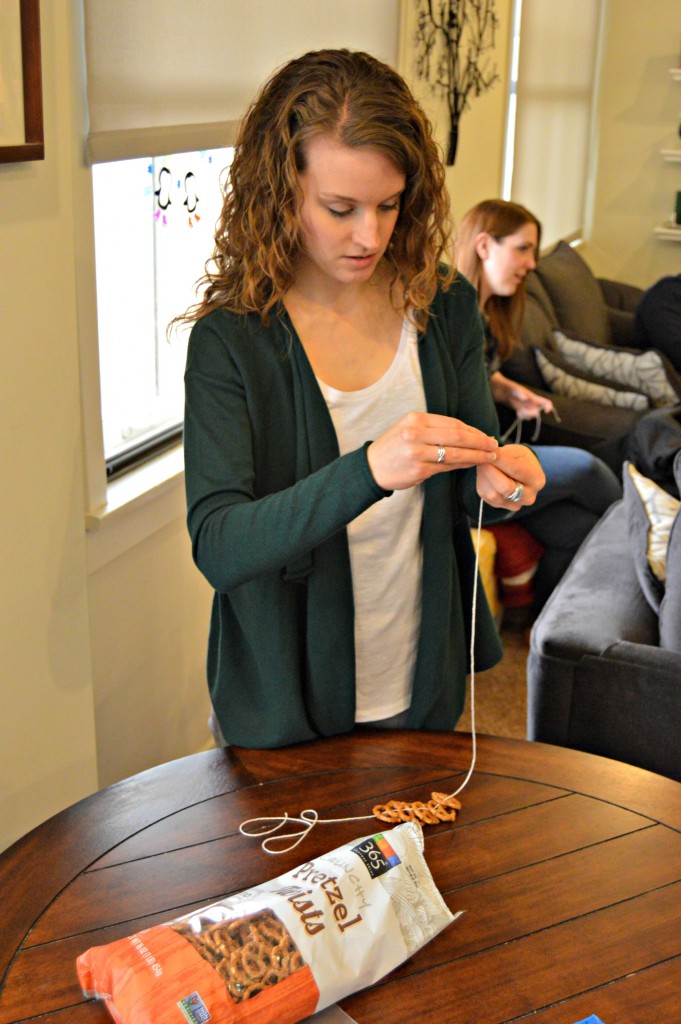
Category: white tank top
<point>385,546</point>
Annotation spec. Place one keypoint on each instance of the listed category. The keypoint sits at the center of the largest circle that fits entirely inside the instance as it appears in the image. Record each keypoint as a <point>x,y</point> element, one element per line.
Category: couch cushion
<point>648,372</point>
<point>575,294</point>
<point>536,331</point>
<point>539,320</point>
<point>670,607</point>
<point>651,511</point>
<point>559,376</point>
<point>537,296</point>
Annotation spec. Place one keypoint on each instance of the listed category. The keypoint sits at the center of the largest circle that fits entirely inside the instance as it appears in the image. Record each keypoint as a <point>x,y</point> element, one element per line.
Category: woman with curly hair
<point>496,247</point>
<point>339,427</point>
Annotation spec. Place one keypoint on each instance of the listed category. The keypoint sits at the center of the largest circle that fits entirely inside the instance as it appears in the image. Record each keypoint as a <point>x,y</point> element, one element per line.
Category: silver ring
<point>517,493</point>
<point>441,454</point>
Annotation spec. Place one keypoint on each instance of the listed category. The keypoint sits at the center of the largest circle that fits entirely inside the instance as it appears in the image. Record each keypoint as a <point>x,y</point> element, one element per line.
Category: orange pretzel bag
<point>281,950</point>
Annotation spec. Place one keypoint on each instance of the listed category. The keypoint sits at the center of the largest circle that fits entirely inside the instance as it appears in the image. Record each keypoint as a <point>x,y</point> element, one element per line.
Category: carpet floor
<point>501,692</point>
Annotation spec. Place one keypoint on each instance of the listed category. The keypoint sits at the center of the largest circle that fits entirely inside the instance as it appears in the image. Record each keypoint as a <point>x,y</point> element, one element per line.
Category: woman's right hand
<point>407,454</point>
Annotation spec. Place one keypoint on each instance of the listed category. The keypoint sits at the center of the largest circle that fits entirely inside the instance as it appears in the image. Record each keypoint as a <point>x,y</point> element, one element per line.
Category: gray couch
<point>604,669</point>
<point>564,293</point>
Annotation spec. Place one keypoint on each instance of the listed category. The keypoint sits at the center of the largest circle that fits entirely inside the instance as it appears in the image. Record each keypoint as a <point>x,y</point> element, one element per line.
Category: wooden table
<point>568,867</point>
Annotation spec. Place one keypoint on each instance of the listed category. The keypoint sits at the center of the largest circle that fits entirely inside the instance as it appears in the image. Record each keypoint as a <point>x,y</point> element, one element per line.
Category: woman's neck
<point>350,334</point>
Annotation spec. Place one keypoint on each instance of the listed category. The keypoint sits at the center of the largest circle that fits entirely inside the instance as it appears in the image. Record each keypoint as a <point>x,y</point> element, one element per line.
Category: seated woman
<point>497,245</point>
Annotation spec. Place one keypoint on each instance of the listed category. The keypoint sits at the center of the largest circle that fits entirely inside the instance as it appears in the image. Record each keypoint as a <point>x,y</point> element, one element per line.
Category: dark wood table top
<point>568,868</point>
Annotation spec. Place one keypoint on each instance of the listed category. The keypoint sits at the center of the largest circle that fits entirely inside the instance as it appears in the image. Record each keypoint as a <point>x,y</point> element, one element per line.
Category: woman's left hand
<point>525,403</point>
<point>516,470</point>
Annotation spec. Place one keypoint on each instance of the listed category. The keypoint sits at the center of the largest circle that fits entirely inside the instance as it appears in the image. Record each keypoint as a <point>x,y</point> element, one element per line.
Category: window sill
<point>138,504</point>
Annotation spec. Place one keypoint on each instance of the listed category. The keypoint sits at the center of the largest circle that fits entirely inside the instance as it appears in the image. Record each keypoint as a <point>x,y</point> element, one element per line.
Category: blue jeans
<point>579,488</point>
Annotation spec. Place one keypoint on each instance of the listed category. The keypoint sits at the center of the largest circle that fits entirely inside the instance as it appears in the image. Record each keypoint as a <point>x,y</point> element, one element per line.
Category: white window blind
<point>177,75</point>
<point>557,77</point>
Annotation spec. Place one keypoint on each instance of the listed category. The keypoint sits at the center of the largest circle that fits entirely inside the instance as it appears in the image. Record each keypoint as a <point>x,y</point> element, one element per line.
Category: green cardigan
<point>269,498</point>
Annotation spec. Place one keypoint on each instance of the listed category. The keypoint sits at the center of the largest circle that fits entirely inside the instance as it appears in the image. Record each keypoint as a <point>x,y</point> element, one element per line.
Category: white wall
<point>47,735</point>
<point>640,112</point>
<point>149,611</point>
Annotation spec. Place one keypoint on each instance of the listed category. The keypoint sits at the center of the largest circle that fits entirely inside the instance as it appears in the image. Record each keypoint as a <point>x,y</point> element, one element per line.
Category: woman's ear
<point>482,244</point>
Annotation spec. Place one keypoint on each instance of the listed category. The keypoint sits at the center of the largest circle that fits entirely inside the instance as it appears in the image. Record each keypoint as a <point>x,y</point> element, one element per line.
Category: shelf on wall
<point>671,154</point>
<point>675,73</point>
<point>669,231</point>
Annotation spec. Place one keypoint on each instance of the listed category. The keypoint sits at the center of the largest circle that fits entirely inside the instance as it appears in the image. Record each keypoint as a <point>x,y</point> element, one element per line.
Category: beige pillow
<point>646,372</point>
<point>660,509</point>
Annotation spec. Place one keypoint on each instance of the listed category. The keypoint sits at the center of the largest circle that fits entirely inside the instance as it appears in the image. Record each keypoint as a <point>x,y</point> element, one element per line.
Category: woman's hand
<point>421,444</point>
<point>515,464</point>
<point>525,404</point>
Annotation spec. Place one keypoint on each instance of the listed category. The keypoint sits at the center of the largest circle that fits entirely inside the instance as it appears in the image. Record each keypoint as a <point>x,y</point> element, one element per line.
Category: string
<point>517,426</point>
<point>271,828</point>
<point>474,616</point>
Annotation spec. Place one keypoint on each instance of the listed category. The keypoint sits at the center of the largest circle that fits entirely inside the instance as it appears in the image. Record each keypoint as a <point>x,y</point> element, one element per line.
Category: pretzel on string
<point>441,807</point>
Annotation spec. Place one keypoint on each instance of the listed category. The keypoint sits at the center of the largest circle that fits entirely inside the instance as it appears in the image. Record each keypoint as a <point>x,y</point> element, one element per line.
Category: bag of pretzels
<point>282,950</point>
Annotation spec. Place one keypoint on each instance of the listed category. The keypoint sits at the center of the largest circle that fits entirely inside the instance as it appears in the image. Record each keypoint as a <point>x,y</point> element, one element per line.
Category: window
<point>154,224</point>
<point>157,83</point>
<point>549,145</point>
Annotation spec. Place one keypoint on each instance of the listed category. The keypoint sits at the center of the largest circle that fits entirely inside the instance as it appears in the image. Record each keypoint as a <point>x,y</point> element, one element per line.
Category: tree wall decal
<point>452,38</point>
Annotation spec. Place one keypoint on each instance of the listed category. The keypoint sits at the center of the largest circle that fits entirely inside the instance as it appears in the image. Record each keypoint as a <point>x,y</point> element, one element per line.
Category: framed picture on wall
<point>21,96</point>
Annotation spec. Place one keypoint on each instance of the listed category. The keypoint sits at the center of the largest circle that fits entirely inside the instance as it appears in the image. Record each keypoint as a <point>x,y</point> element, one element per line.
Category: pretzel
<point>249,953</point>
<point>441,807</point>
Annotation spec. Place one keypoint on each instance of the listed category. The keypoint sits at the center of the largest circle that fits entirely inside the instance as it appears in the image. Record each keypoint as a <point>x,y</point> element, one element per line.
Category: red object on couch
<point>517,557</point>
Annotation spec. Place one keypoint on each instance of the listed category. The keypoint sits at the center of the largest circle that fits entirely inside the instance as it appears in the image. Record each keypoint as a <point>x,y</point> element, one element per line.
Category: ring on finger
<point>441,454</point>
<point>517,493</point>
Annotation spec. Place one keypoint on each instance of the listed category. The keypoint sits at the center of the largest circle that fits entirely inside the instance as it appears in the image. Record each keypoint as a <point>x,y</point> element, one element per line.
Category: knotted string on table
<point>270,829</point>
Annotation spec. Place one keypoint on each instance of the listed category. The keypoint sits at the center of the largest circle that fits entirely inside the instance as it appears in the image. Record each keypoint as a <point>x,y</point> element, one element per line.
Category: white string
<point>308,819</point>
<point>472,649</point>
<point>517,426</point>
<point>272,827</point>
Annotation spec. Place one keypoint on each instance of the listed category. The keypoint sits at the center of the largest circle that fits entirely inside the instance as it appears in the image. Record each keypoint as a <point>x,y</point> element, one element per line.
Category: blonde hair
<point>361,102</point>
<point>497,218</point>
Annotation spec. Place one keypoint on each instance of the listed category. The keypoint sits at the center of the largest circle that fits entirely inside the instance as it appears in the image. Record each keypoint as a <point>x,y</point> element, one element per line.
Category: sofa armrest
<point>656,660</point>
<point>598,602</point>
<point>618,295</point>
<point>621,301</point>
<point>597,679</point>
<point>624,704</point>
<point>621,328</point>
<point>627,705</point>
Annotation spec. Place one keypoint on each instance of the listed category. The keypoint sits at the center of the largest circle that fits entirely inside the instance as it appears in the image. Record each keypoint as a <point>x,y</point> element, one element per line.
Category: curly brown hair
<point>498,218</point>
<point>362,102</point>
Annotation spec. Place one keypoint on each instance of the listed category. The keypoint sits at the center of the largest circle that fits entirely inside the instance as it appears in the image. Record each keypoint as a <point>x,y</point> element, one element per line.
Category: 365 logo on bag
<point>377,855</point>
